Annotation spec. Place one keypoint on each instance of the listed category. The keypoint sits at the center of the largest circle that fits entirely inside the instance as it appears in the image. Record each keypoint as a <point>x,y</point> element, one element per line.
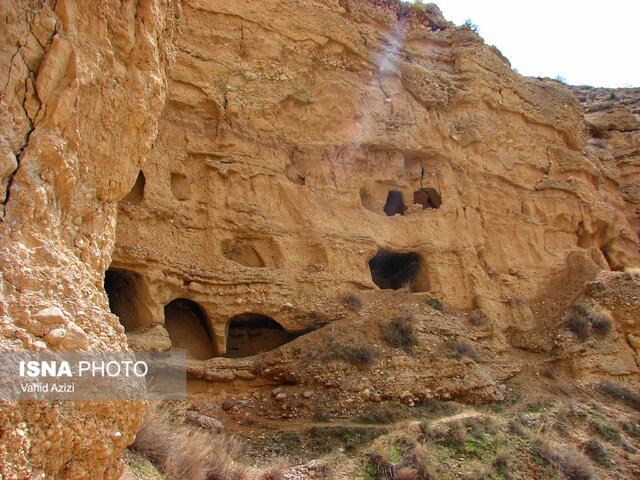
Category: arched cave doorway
<point>427,197</point>
<point>251,333</point>
<point>188,328</point>
<point>128,298</point>
<point>136,195</point>
<point>394,204</point>
<point>391,270</point>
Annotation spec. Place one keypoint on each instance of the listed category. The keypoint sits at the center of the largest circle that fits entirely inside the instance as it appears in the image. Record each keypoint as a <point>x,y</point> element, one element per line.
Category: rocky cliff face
<point>308,155</point>
<point>298,142</point>
<point>611,118</point>
<point>83,85</point>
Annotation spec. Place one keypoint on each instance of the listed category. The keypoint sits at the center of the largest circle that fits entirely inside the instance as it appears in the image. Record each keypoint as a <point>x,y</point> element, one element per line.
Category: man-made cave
<point>390,270</point>
<point>128,298</point>
<point>242,252</point>
<point>188,328</point>
<point>136,194</point>
<point>180,186</point>
<point>251,333</point>
<point>394,204</point>
<point>427,197</point>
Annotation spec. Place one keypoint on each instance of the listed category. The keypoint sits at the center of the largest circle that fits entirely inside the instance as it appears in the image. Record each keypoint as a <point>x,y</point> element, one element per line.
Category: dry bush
<point>620,392</point>
<point>596,452</point>
<point>578,321</point>
<point>477,318</point>
<point>399,334</point>
<point>501,460</point>
<point>454,433</point>
<point>573,464</point>
<point>436,304</point>
<point>185,453</point>
<point>352,302</point>
<point>601,322</point>
<point>385,469</point>
<point>353,353</point>
<point>464,349</point>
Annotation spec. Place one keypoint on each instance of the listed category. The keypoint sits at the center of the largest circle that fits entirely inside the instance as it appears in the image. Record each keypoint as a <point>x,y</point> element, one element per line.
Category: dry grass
<point>582,320</point>
<point>352,302</point>
<point>186,453</point>
<point>464,349</point>
<point>573,464</point>
<point>399,334</point>
<point>621,392</point>
<point>578,321</point>
<point>601,322</point>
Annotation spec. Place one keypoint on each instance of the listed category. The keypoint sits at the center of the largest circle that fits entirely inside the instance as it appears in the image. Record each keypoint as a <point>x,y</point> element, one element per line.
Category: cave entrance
<point>427,197</point>
<point>251,333</point>
<point>391,270</point>
<point>188,328</point>
<point>136,195</point>
<point>128,298</point>
<point>394,204</point>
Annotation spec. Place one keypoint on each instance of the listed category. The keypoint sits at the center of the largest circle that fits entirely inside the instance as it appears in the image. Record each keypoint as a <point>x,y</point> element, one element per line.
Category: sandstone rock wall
<point>286,129</point>
<point>83,84</point>
<point>612,121</point>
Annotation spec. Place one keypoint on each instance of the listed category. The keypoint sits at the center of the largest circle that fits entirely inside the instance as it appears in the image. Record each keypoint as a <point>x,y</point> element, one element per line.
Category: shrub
<point>352,302</point>
<point>620,392</point>
<point>596,452</point>
<point>571,463</point>
<point>477,319</point>
<point>183,452</point>
<point>355,354</point>
<point>435,304</point>
<point>463,349</point>
<point>601,322</point>
<point>606,432</point>
<point>578,321</point>
<point>549,371</point>
<point>325,439</point>
<point>384,468</point>
<point>451,434</point>
<point>399,334</point>
<point>632,429</point>
<point>386,412</point>
<point>501,460</point>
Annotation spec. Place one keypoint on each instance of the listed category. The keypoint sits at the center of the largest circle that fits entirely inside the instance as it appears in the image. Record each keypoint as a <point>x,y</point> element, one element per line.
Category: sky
<point>584,42</point>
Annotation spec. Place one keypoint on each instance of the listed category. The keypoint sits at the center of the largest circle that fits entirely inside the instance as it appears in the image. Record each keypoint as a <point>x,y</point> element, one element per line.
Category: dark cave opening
<point>188,328</point>
<point>395,203</point>
<point>251,333</point>
<point>390,270</point>
<point>128,298</point>
<point>136,194</point>
<point>428,198</point>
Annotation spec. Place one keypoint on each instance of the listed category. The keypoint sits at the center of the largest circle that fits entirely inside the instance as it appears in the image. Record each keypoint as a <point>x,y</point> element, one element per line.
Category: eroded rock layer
<point>308,150</point>
<point>83,85</point>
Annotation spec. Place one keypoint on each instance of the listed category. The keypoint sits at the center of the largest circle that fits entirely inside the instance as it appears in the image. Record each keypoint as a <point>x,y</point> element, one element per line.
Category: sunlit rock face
<point>83,85</point>
<point>300,140</point>
<point>297,142</point>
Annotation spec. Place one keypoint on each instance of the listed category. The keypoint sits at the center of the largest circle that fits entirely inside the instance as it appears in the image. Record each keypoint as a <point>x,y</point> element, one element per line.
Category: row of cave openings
<point>180,188</point>
<point>247,333</point>
<point>428,198</point>
<point>187,324</point>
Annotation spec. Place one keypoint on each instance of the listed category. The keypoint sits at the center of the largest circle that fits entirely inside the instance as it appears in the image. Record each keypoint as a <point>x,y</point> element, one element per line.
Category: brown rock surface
<point>307,155</point>
<point>282,139</point>
<point>612,120</point>
<point>82,87</point>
